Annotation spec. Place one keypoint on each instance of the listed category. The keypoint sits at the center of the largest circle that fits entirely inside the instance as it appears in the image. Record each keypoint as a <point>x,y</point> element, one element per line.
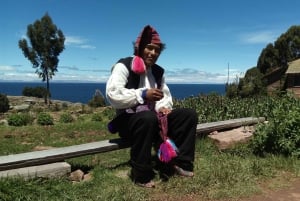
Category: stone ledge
<point>227,139</point>
<point>51,170</point>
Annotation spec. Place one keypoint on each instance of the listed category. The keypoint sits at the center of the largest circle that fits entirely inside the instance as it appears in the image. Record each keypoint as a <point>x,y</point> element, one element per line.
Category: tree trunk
<point>48,91</point>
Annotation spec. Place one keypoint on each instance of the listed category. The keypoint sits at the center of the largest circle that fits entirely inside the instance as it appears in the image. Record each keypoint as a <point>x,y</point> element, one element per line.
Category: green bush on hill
<point>39,92</point>
<point>4,103</point>
<point>98,100</point>
<point>66,118</point>
<point>281,134</point>
<point>44,119</point>
<point>20,119</point>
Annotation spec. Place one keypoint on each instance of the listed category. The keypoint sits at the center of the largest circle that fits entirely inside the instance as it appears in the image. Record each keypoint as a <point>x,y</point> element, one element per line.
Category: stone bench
<point>36,158</point>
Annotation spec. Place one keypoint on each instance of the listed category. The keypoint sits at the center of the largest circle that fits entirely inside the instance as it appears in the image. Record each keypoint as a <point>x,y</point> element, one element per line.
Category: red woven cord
<point>163,124</point>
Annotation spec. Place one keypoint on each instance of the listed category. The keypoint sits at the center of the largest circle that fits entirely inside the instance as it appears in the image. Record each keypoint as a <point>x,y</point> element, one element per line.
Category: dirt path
<point>291,192</point>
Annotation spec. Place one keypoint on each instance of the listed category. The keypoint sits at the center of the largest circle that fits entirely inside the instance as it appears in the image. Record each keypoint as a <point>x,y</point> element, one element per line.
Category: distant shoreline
<point>91,82</point>
<point>83,92</point>
<point>32,100</point>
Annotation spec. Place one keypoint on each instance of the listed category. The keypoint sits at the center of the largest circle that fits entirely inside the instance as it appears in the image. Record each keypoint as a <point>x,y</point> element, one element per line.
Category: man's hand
<point>154,94</point>
<point>164,110</point>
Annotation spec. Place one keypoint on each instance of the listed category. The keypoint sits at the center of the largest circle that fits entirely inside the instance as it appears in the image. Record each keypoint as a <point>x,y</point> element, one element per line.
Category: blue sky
<point>203,38</point>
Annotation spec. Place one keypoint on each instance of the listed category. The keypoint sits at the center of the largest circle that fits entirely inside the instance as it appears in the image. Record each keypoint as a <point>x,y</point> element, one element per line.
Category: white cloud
<point>260,37</point>
<point>69,67</point>
<point>87,47</point>
<point>7,68</point>
<point>189,75</point>
<point>186,75</point>
<point>70,40</point>
<point>78,42</point>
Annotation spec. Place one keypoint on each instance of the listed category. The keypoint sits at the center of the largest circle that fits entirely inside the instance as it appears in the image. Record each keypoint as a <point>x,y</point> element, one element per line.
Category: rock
<point>227,139</point>
<point>52,170</point>
<point>22,107</point>
<point>30,101</point>
<point>87,177</point>
<point>4,122</point>
<point>76,176</point>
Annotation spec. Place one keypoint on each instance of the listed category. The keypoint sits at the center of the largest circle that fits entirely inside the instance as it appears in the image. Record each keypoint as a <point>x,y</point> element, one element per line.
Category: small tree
<point>4,103</point>
<point>252,84</point>
<point>98,99</point>
<point>47,42</point>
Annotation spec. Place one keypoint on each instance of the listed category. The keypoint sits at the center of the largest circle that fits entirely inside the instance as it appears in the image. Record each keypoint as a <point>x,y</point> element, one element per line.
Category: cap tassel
<point>137,65</point>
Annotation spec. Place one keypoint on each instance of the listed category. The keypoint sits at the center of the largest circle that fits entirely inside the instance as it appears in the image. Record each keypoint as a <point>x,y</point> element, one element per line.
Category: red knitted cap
<point>147,36</point>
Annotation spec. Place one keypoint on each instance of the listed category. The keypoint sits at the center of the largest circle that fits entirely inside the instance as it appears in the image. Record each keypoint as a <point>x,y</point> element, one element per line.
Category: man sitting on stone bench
<point>137,89</point>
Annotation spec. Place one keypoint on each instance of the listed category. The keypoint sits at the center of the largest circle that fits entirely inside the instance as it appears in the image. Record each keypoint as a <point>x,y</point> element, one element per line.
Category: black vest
<point>133,81</point>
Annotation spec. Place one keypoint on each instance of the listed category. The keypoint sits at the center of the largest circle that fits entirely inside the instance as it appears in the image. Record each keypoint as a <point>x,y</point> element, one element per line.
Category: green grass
<point>219,175</point>
<point>230,174</point>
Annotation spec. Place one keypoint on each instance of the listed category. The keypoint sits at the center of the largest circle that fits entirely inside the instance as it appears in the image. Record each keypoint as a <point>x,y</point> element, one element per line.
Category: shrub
<point>98,100</point>
<point>97,117</point>
<point>66,118</point>
<point>21,119</point>
<point>281,134</point>
<point>44,119</point>
<point>39,92</point>
<point>109,112</point>
<point>86,110</point>
<point>231,90</point>
<point>4,103</point>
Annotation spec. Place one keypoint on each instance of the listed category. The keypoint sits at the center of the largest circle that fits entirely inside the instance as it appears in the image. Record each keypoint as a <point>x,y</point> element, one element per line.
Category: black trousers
<point>142,129</point>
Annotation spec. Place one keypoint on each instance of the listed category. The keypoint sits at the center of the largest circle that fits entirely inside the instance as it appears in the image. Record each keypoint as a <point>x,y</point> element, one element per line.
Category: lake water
<point>83,92</point>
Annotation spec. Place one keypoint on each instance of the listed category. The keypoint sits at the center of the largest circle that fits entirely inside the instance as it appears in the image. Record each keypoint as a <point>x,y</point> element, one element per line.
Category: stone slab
<point>51,170</point>
<point>34,158</point>
<point>14,161</point>
<point>228,139</point>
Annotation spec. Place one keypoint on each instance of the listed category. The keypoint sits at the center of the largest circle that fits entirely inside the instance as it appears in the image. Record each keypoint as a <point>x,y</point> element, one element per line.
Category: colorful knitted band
<point>147,36</point>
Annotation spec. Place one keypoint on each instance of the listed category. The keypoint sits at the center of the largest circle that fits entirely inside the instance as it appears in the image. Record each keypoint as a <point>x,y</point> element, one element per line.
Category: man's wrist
<point>144,94</point>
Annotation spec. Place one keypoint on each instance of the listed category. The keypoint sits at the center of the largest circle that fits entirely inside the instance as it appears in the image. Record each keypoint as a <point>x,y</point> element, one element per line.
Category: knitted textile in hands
<point>167,150</point>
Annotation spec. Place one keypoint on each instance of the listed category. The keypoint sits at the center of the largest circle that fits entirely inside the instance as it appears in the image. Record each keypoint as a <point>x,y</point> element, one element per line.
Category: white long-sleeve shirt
<point>123,98</point>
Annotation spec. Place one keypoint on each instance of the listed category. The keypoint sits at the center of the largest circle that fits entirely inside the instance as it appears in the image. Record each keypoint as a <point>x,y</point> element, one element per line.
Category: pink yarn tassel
<point>138,65</point>
<point>167,151</point>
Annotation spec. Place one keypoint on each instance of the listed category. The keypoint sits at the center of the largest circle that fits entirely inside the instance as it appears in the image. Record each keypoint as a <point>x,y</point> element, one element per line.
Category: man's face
<point>150,54</point>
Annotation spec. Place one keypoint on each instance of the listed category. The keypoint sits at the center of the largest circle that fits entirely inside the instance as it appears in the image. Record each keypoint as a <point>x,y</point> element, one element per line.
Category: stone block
<point>227,139</point>
<point>51,170</point>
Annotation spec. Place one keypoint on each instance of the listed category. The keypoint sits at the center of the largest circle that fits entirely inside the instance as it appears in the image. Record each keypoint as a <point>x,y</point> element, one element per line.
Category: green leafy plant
<point>66,118</point>
<point>109,112</point>
<point>20,119</point>
<point>98,100</point>
<point>281,134</point>
<point>39,92</point>
<point>97,117</point>
<point>219,175</point>
<point>4,103</point>
<point>44,119</point>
